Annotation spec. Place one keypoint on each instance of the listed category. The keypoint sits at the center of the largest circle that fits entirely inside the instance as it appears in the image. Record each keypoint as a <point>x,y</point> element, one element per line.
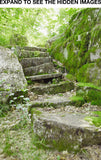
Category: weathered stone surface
<point>55,101</point>
<point>65,53</point>
<point>49,42</point>
<point>28,62</point>
<point>65,131</point>
<point>90,73</point>
<point>35,49</point>
<point>94,74</point>
<point>28,54</point>
<point>95,55</point>
<point>44,77</point>
<point>11,74</point>
<point>40,69</point>
<point>54,88</point>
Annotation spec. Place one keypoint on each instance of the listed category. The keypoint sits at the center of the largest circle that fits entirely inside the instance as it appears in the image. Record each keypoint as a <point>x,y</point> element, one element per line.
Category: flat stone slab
<point>40,69</point>
<point>64,130</point>
<point>35,61</point>
<point>35,49</point>
<point>44,76</point>
<point>53,88</point>
<point>29,54</point>
<point>56,101</point>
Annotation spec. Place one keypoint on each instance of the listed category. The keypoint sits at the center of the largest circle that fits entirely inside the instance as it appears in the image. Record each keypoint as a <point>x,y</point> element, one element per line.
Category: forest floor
<point>17,141</point>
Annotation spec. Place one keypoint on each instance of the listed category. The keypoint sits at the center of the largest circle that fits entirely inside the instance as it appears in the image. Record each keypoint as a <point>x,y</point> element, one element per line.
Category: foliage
<point>7,149</point>
<point>95,118</point>
<point>4,108</point>
<point>54,81</point>
<point>14,99</point>
<point>64,17</point>
<point>19,40</point>
<point>35,24</point>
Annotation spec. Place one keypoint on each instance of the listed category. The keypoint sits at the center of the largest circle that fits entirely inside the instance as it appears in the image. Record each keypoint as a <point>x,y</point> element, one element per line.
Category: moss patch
<point>94,96</point>
<point>83,74</point>
<point>95,118</point>
<point>90,93</point>
<point>71,77</point>
<point>78,101</point>
<point>91,85</point>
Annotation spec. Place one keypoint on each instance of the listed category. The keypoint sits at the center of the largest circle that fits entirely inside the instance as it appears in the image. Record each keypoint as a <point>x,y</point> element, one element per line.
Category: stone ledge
<point>40,69</point>
<point>35,49</point>
<point>65,131</point>
<point>44,76</point>
<point>28,62</point>
<point>54,88</point>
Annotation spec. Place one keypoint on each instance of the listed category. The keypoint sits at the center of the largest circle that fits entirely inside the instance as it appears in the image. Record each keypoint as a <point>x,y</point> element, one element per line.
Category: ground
<point>17,141</point>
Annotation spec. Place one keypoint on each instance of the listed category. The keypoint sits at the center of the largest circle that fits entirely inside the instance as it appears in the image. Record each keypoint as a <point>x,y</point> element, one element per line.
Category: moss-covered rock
<point>90,93</point>
<point>89,73</point>
<point>80,45</point>
<point>77,101</point>
<point>54,88</point>
<point>65,131</point>
<point>12,77</point>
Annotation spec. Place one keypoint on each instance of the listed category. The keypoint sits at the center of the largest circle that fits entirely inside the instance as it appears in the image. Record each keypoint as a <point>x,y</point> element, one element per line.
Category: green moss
<point>83,75</point>
<point>77,98</point>
<point>84,43</point>
<point>82,24</point>
<point>96,36</point>
<point>71,77</point>
<point>36,53</point>
<point>5,71</point>
<point>91,85</point>
<point>68,32</point>
<point>90,93</point>
<point>4,108</point>
<point>95,118</point>
<point>94,96</point>
<point>98,62</point>
<point>78,101</point>
<point>35,111</point>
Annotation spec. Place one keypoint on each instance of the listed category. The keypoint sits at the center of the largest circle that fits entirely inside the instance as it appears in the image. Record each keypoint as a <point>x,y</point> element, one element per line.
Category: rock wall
<point>11,74</point>
<point>80,46</point>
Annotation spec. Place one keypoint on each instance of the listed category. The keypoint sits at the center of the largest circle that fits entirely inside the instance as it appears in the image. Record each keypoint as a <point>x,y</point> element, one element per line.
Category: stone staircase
<point>60,128</point>
<point>39,67</point>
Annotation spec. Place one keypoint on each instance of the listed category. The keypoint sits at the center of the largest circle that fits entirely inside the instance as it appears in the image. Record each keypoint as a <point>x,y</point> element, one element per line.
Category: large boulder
<point>81,44</point>
<point>64,130</point>
<point>11,74</point>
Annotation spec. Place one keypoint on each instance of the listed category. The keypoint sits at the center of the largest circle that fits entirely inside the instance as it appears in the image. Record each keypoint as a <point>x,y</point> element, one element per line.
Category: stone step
<point>43,77</point>
<point>35,61</point>
<point>55,101</point>
<point>34,49</point>
<point>64,130</point>
<point>53,88</point>
<point>29,54</point>
<point>40,69</point>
